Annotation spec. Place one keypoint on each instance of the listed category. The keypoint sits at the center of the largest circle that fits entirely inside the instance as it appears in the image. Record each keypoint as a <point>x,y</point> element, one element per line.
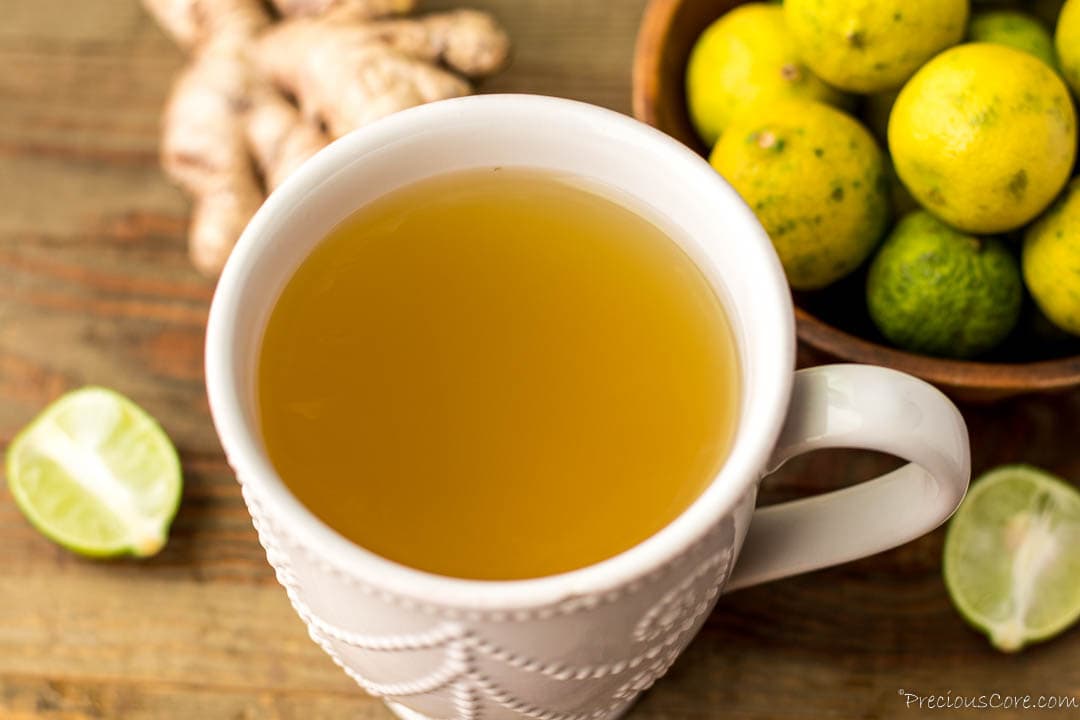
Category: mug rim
<point>740,472</point>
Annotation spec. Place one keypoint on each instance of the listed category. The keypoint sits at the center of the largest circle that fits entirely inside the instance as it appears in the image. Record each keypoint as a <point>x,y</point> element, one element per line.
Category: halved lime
<point>96,474</point>
<point>1012,556</point>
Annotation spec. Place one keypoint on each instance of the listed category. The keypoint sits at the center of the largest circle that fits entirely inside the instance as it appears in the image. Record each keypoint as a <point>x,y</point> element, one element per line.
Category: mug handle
<point>875,408</point>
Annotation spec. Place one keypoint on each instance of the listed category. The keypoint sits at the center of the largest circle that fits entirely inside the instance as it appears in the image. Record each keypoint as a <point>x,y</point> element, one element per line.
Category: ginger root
<point>231,131</point>
<point>193,22</point>
<point>279,139</point>
<point>204,150</point>
<point>357,9</point>
<point>349,74</point>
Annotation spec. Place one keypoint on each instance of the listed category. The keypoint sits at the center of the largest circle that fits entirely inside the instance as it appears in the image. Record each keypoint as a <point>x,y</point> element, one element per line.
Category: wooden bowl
<point>834,322</point>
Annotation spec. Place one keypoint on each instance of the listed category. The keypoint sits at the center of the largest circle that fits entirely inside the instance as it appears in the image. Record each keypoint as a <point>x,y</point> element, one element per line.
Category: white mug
<point>580,645</point>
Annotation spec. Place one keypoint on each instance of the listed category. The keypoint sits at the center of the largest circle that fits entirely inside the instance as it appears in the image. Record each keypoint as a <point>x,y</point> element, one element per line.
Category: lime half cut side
<point>96,474</point>
<point>1012,556</point>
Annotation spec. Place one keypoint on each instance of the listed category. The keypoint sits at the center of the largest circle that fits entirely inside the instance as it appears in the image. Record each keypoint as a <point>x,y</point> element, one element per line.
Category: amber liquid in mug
<point>498,375</point>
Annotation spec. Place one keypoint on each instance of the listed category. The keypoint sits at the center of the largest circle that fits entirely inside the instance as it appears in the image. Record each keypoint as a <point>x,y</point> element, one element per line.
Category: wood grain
<point>95,287</point>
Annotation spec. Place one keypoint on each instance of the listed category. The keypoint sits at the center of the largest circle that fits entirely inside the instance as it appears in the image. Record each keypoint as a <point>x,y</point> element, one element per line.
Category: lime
<point>1014,29</point>
<point>744,58</point>
<point>935,290</point>
<point>984,137</point>
<point>1051,260</point>
<point>96,474</point>
<point>816,180</point>
<point>1067,41</point>
<point>1012,556</point>
<point>867,46</point>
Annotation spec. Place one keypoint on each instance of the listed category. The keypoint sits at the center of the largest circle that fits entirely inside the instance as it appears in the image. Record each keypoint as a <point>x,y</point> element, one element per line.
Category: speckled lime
<point>984,137</point>
<point>746,57</point>
<point>869,46</point>
<point>816,180</point>
<point>1051,260</point>
<point>1067,42</point>
<point>935,290</point>
<point>1014,29</point>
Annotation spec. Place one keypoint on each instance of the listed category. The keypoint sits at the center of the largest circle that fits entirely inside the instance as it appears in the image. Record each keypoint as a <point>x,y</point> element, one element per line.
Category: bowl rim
<point>1036,375</point>
<point>1006,377</point>
<point>652,31</point>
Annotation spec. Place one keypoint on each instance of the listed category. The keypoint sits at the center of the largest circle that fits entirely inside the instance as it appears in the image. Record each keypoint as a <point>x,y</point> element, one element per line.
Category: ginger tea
<point>498,374</point>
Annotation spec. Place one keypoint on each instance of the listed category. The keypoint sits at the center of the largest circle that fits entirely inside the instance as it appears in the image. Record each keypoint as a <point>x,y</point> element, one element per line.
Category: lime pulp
<point>96,474</point>
<point>1012,556</point>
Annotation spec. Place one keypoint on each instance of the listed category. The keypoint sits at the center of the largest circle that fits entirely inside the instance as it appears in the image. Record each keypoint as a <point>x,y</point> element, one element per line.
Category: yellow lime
<point>1012,556</point>
<point>868,46</point>
<point>1014,29</point>
<point>1067,41</point>
<point>96,474</point>
<point>984,137</point>
<point>816,180</point>
<point>1051,260</point>
<point>746,57</point>
<point>934,290</point>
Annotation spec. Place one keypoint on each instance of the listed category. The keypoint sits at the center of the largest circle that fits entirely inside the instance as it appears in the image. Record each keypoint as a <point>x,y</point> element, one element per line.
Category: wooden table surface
<point>95,287</point>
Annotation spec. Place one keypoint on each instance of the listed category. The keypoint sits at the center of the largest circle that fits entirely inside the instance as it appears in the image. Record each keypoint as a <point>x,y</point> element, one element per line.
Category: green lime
<point>935,290</point>
<point>1015,29</point>
<point>96,474</point>
<point>1012,556</point>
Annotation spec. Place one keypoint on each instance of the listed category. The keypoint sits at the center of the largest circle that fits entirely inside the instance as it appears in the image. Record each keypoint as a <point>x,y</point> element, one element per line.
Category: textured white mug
<point>581,645</point>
